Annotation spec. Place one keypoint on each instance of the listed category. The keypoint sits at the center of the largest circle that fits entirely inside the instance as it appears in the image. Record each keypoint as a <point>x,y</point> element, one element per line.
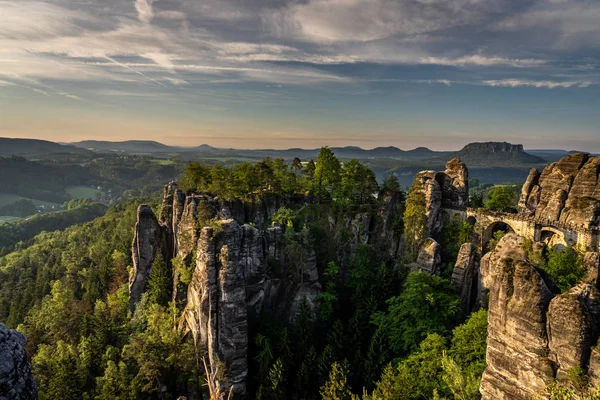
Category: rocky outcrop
<point>573,328</point>
<point>567,191</point>
<point>16,381</point>
<point>465,274</point>
<point>534,335</point>
<point>527,202</point>
<point>429,259</point>
<point>455,184</point>
<point>433,199</point>
<point>242,266</point>
<point>518,300</point>
<point>150,241</point>
<point>448,189</point>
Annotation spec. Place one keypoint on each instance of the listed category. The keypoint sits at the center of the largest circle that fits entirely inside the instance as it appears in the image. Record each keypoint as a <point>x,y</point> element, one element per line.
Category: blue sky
<point>279,74</point>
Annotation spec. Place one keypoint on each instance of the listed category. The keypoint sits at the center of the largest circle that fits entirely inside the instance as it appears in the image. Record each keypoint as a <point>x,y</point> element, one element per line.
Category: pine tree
<point>337,387</point>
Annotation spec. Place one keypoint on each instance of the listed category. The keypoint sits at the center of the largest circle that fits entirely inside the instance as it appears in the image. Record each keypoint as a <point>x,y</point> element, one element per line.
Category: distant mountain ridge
<point>130,146</point>
<point>18,147</point>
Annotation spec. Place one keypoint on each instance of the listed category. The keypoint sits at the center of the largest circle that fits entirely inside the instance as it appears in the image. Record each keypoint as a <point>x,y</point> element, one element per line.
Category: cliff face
<point>241,266</point>
<point>534,335</point>
<point>567,190</point>
<point>16,381</point>
<point>448,189</point>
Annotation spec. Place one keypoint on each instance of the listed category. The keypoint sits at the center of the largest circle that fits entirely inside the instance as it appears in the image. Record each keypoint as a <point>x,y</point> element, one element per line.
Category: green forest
<point>381,332</point>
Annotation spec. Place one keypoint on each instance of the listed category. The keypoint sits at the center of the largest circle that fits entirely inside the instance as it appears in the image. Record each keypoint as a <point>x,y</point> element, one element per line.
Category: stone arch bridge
<point>530,227</point>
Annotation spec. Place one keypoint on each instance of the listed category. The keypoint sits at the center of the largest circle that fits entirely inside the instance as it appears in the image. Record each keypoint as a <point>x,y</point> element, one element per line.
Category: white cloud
<point>144,10</point>
<point>536,84</point>
<point>480,60</point>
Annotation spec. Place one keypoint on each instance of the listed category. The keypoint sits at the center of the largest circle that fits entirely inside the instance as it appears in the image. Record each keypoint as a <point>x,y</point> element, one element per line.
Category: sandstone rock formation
<point>567,191</point>
<point>465,274</point>
<point>517,365</point>
<point>573,328</point>
<point>149,242</point>
<point>16,381</point>
<point>535,335</point>
<point>448,189</point>
<point>429,259</point>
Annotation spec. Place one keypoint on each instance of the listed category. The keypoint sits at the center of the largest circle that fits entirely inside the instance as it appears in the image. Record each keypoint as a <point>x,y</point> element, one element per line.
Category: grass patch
<point>162,161</point>
<point>7,198</point>
<point>82,192</point>
<point>8,219</point>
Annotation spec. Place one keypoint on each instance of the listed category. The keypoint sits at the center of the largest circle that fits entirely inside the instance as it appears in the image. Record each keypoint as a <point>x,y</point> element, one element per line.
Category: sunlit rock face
<point>517,348</point>
<point>535,335</point>
<point>567,191</point>
<point>16,381</point>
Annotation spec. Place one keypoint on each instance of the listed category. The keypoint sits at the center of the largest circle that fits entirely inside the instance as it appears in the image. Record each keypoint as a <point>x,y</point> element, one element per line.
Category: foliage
<point>19,208</point>
<point>159,282</point>
<point>565,267</point>
<point>427,305</point>
<point>337,387</point>
<point>500,198</point>
<point>496,237</point>
<point>327,173</point>
<point>13,232</point>
<point>415,217</point>
<point>454,234</point>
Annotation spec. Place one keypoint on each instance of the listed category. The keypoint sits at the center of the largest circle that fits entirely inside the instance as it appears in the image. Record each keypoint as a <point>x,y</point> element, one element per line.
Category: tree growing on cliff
<point>415,218</point>
<point>327,173</point>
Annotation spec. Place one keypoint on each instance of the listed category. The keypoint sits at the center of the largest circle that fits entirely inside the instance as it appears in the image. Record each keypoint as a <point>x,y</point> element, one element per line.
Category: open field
<point>82,192</point>
<point>8,219</point>
<point>7,198</point>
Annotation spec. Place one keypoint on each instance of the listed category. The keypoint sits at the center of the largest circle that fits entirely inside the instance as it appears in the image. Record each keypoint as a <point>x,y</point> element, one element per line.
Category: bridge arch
<point>495,226</point>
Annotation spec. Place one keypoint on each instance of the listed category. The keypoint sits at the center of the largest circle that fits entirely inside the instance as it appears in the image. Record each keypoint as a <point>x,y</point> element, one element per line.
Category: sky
<point>303,73</point>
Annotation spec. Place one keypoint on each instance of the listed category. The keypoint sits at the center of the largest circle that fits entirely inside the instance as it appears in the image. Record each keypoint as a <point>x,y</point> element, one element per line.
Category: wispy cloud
<point>536,84</point>
<point>145,10</point>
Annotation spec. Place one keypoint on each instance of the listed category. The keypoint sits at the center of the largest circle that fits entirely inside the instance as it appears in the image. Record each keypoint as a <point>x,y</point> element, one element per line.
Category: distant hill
<point>32,147</point>
<point>496,153</point>
<point>129,146</point>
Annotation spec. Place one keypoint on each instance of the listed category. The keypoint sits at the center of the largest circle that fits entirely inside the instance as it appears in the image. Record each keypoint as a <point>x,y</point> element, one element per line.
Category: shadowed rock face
<point>430,258</point>
<point>448,189</point>
<point>16,381</point>
<point>567,190</point>
<point>573,327</point>
<point>241,266</point>
<point>149,241</point>
<point>517,348</point>
<point>464,275</point>
<point>534,336</point>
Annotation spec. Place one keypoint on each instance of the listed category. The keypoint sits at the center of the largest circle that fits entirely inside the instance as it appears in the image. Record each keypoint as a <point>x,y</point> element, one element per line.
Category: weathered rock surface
<point>573,328</point>
<point>16,381</point>
<point>448,189</point>
<point>433,199</point>
<point>149,241</point>
<point>531,182</point>
<point>429,259</point>
<point>242,266</point>
<point>455,185</point>
<point>465,274</point>
<point>567,191</point>
<point>517,348</point>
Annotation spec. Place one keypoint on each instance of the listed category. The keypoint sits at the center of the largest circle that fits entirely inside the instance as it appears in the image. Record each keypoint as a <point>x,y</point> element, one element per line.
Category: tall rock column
<point>517,364</point>
<point>216,311</point>
<point>573,322</point>
<point>149,241</point>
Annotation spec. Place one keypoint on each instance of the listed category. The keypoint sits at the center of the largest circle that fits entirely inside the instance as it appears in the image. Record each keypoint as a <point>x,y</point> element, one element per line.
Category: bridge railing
<point>571,226</point>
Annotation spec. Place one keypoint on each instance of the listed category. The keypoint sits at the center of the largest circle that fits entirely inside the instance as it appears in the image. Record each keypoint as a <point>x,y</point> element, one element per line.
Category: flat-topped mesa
<point>567,191</point>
